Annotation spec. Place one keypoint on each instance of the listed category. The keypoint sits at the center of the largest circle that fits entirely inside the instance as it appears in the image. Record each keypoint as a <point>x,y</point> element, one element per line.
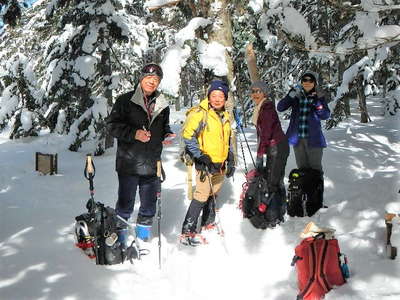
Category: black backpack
<point>97,235</point>
<point>305,192</point>
<point>262,211</point>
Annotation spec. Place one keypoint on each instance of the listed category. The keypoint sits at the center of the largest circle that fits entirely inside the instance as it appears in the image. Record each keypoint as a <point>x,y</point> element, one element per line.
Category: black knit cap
<point>311,75</point>
<point>151,69</point>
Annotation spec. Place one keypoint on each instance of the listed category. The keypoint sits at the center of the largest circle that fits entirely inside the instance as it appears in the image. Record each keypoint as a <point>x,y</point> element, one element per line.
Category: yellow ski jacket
<point>207,132</point>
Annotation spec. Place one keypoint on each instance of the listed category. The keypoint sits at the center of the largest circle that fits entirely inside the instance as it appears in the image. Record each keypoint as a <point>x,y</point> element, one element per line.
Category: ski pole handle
<point>90,171</point>
<point>89,164</point>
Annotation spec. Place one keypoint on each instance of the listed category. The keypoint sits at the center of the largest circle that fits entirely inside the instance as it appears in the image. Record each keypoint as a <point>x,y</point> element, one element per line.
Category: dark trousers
<point>276,163</point>
<point>308,157</point>
<point>127,192</point>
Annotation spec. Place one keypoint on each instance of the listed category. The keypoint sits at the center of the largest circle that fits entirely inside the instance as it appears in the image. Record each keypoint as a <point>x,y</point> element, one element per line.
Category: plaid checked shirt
<point>305,108</point>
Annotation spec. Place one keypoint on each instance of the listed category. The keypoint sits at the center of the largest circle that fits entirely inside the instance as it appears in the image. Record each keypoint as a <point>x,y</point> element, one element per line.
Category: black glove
<point>230,165</point>
<point>272,151</point>
<point>204,162</point>
<point>259,164</point>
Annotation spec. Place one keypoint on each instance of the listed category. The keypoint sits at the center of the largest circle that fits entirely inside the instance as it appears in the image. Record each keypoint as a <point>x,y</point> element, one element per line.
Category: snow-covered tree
<point>331,37</point>
<point>11,11</point>
<point>21,100</point>
<point>83,54</point>
<point>83,68</point>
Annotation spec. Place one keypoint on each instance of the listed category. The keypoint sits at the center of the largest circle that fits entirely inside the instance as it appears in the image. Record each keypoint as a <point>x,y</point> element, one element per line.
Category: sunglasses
<point>152,69</point>
<point>307,79</point>
<point>256,92</point>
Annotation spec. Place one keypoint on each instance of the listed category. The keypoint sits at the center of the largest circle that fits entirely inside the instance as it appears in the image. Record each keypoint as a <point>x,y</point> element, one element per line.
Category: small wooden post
<point>46,163</point>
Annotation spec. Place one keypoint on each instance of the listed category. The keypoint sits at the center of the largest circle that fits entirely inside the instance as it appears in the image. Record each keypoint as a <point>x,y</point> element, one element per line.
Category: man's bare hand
<point>143,135</point>
<point>168,138</point>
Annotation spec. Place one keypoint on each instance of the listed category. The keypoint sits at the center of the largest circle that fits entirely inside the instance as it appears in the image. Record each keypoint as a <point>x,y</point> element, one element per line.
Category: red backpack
<point>319,268</point>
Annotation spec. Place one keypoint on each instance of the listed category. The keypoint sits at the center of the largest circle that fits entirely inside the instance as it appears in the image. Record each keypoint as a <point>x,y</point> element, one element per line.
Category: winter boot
<point>122,232</point>
<point>208,215</point>
<point>189,227</point>
<point>143,227</point>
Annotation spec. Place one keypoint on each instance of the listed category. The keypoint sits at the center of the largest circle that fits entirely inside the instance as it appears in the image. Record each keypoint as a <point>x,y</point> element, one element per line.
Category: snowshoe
<point>192,239</point>
<point>213,227</point>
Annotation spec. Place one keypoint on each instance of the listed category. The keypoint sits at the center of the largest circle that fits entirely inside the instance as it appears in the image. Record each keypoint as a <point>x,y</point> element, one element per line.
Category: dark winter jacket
<point>269,130</point>
<point>127,116</point>
<point>319,111</point>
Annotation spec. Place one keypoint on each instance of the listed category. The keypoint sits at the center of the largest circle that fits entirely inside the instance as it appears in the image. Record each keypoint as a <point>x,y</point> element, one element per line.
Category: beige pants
<point>203,189</point>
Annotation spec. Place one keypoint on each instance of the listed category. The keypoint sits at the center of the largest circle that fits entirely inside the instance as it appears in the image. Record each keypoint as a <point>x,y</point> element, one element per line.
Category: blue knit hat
<point>220,86</point>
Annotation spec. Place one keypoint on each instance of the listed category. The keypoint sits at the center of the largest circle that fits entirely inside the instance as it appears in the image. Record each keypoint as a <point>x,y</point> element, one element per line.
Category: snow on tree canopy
<point>156,3</point>
<point>177,55</point>
<point>295,23</point>
<point>212,57</point>
<point>172,64</point>
<point>85,66</point>
<point>256,5</point>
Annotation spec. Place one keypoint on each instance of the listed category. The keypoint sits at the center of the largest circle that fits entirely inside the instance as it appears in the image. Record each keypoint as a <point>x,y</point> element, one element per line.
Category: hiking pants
<point>127,192</point>
<point>203,189</point>
<point>308,157</point>
<point>276,163</point>
<point>202,202</point>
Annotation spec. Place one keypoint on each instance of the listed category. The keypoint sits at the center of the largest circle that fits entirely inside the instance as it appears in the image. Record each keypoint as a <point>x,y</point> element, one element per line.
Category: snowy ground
<point>38,259</point>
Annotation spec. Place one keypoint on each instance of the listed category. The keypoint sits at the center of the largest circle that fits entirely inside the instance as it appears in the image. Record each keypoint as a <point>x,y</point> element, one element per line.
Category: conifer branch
<point>169,4</point>
<point>326,49</point>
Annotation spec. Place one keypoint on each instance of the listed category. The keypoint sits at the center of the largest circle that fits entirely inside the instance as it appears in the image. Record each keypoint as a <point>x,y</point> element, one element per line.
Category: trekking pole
<point>89,174</point>
<point>239,123</point>
<point>159,211</point>
<point>243,155</point>
<point>218,219</point>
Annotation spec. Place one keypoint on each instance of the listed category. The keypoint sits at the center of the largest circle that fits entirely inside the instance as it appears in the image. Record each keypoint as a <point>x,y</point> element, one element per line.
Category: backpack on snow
<point>305,192</point>
<point>320,266</point>
<point>97,235</point>
<point>96,232</point>
<point>261,210</point>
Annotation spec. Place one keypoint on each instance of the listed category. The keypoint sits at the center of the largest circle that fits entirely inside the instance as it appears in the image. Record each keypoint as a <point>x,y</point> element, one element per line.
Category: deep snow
<point>38,258</point>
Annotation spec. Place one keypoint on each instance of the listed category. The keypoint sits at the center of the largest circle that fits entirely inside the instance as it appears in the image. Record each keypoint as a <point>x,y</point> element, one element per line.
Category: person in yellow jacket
<point>206,135</point>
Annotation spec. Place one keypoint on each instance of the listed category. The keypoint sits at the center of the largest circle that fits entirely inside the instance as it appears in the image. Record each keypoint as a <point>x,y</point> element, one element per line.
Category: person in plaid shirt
<point>304,132</point>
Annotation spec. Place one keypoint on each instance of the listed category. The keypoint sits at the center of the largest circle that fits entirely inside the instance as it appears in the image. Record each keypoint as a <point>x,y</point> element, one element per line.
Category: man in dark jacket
<point>140,122</point>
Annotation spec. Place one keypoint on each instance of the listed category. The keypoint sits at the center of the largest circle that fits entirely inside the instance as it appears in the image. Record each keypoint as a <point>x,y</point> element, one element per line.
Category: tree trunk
<point>106,65</point>
<point>346,98</point>
<point>362,100</point>
<point>251,61</point>
<point>221,32</point>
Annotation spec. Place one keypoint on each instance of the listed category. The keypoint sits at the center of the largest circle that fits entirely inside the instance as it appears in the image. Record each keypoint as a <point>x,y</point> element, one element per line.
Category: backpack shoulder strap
<point>310,251</point>
<point>203,121</point>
